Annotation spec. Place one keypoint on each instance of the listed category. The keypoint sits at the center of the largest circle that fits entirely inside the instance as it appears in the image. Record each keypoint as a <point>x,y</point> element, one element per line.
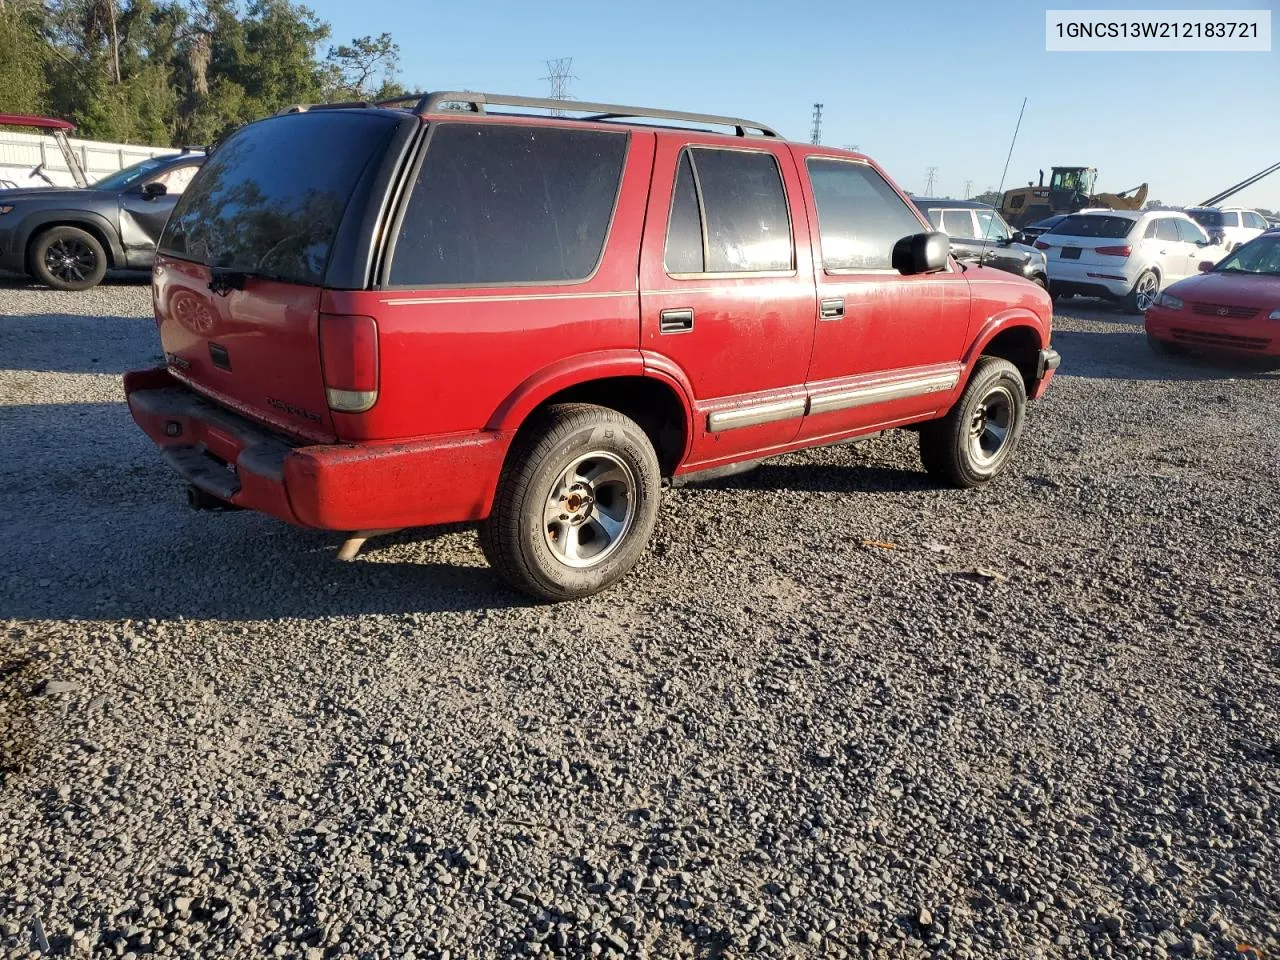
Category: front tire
<point>975,441</point>
<point>1145,290</point>
<point>68,258</point>
<point>576,503</point>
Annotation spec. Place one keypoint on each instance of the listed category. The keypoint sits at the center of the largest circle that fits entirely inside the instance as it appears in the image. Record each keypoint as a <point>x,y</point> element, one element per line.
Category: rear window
<point>508,204</point>
<point>270,199</point>
<point>1206,218</point>
<point>1089,225</point>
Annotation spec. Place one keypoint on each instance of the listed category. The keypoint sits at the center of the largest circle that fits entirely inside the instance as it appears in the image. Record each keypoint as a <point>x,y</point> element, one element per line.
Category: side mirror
<point>1019,237</point>
<point>921,253</point>
<point>1206,266</point>
<point>153,190</point>
<point>1204,243</point>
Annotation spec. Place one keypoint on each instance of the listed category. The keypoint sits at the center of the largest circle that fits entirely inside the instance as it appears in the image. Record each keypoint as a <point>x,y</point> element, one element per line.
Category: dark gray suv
<point>979,235</point>
<point>69,237</point>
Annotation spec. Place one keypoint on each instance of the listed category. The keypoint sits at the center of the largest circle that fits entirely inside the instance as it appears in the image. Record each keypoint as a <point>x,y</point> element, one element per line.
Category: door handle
<point>675,321</point>
<point>831,309</point>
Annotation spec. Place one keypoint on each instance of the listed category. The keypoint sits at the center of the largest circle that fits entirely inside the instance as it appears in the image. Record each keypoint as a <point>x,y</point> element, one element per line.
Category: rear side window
<point>860,217</point>
<point>1206,218</point>
<point>270,199</point>
<point>509,204</point>
<point>958,223</point>
<point>1093,225</point>
<point>735,201</point>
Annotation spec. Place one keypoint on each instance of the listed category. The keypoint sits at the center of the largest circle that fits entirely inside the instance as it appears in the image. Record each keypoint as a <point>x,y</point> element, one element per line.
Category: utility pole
<point>932,171</point>
<point>968,189</point>
<point>815,135</point>
<point>559,73</point>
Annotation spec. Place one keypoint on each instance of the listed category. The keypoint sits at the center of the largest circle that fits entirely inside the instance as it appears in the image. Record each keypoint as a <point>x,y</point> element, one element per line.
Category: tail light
<point>1123,251</point>
<point>349,360</point>
<point>1041,245</point>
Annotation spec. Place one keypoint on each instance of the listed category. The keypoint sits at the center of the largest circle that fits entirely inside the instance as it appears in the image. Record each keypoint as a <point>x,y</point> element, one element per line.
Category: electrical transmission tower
<point>853,147</point>
<point>933,176</point>
<point>559,73</point>
<point>968,189</point>
<point>815,135</point>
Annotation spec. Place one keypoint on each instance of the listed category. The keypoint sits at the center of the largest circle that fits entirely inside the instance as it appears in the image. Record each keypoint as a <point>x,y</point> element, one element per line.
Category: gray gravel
<point>1045,723</point>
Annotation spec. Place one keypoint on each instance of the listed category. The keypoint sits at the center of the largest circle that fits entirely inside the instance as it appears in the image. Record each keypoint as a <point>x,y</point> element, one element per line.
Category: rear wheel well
<point>651,403</point>
<point>90,228</point>
<point>1021,347</point>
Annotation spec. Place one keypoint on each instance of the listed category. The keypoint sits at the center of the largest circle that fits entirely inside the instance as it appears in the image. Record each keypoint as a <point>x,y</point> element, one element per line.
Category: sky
<point>913,85</point>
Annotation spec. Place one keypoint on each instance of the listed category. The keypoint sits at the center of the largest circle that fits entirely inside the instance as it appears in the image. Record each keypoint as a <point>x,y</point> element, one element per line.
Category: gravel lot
<point>1046,723</point>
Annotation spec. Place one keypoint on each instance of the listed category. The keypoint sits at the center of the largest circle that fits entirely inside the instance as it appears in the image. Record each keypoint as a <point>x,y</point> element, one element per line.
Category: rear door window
<point>507,204</point>
<point>1230,218</point>
<point>270,199</point>
<point>958,223</point>
<point>1167,229</point>
<point>860,217</point>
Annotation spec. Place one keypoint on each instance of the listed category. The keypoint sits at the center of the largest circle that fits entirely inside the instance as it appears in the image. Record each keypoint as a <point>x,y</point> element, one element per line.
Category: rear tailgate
<point>246,255</point>
<point>256,350</point>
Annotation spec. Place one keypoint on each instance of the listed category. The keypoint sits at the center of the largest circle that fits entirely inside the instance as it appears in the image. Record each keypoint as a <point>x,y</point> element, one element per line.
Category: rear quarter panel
<point>453,360</point>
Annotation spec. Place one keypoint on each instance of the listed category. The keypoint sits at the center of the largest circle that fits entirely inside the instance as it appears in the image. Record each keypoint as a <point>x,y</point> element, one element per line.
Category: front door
<point>143,216</point>
<point>888,346</point>
<point>726,293</point>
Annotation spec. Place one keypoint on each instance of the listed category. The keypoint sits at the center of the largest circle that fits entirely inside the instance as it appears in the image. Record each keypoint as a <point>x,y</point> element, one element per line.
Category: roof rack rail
<point>304,107</point>
<point>477,102</point>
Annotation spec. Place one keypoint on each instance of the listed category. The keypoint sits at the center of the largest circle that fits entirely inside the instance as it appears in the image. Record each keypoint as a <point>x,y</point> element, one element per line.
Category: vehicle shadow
<point>1125,355</point>
<point>96,527</point>
<point>857,476</point>
<point>114,278</point>
<point>105,344</point>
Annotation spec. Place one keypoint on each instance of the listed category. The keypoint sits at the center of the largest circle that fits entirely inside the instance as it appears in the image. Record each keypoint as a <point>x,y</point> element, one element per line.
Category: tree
<point>23,88</point>
<point>365,69</point>
<point>989,196</point>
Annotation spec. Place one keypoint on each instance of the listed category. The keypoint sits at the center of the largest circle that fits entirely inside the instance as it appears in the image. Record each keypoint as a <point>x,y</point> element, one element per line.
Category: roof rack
<point>478,102</point>
<point>432,104</point>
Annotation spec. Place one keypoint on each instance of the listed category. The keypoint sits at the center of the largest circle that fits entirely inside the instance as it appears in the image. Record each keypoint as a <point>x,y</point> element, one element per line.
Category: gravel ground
<point>1045,723</point>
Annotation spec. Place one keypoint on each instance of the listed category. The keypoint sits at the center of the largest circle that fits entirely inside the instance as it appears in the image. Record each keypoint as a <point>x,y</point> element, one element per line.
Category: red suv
<point>378,317</point>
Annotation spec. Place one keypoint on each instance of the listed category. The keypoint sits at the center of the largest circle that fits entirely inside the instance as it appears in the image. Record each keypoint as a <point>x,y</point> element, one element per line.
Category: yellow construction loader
<point>1070,189</point>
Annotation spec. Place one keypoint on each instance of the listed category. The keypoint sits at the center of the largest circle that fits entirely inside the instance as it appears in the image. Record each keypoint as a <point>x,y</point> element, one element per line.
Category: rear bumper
<point>1255,337</point>
<point>367,486</point>
<point>1090,279</point>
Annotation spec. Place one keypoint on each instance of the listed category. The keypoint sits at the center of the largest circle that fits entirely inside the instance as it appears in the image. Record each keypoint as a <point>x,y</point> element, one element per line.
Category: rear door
<point>727,289</point>
<point>1166,246</point>
<point>238,277</point>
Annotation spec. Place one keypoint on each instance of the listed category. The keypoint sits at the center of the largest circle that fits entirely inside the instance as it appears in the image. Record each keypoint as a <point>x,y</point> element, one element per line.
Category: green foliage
<point>22,60</point>
<point>177,71</point>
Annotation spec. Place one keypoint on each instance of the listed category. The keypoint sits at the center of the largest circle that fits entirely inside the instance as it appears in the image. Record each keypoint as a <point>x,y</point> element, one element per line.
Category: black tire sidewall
<point>51,236</point>
<point>945,444</point>
<point>548,458</point>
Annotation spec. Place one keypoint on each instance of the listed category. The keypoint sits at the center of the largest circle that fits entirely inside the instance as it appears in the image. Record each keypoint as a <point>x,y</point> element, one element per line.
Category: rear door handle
<point>831,309</point>
<point>676,321</point>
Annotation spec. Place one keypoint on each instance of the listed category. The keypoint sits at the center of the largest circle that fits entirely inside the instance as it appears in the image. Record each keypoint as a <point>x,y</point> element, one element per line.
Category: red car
<point>1233,307</point>
<point>378,318</point>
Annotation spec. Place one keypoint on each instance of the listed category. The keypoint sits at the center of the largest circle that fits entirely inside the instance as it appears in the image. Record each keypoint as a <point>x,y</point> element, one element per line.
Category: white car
<point>1126,255</point>
<point>1231,226</point>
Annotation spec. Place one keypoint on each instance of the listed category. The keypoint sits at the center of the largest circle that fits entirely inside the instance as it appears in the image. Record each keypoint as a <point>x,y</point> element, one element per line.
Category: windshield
<point>1261,255</point>
<point>1089,225</point>
<point>1206,218</point>
<point>270,199</point>
<point>130,175</point>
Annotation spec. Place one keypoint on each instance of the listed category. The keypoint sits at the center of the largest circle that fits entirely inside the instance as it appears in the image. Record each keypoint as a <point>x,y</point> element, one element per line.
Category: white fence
<point>20,153</point>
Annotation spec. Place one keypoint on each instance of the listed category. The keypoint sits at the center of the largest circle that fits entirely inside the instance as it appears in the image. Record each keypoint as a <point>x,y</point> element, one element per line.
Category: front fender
<point>95,222</point>
<point>996,324</point>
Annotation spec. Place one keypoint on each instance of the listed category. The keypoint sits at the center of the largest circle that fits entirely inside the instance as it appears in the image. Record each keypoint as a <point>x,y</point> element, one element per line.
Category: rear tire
<point>1145,290</point>
<point>975,441</point>
<point>1059,294</point>
<point>576,503</point>
<point>68,258</point>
